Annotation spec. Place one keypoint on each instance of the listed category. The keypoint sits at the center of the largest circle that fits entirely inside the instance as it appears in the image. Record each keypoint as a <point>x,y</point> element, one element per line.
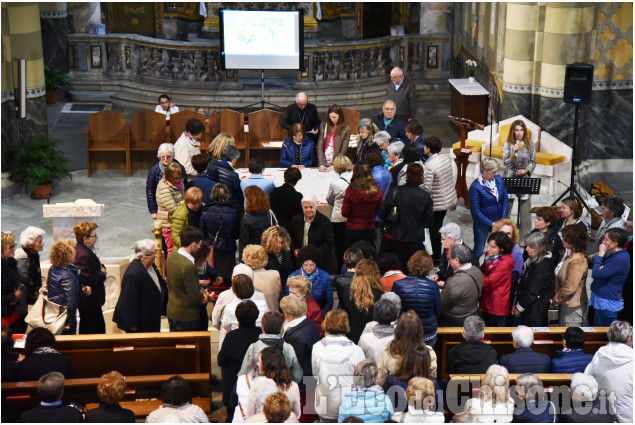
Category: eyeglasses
<point>150,254</point>
<point>166,156</point>
<point>94,235</point>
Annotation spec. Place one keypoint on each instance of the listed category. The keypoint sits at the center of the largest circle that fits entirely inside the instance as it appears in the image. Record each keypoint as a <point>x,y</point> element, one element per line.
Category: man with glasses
<point>185,294</point>
<point>304,113</point>
<point>166,107</point>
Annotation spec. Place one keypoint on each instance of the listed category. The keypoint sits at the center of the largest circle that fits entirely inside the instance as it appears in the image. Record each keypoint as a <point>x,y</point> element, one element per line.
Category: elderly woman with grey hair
<point>261,388</point>
<point>165,153</point>
<point>367,401</point>
<point>144,293</point>
<point>28,258</point>
<point>535,407</point>
<point>585,407</point>
<point>385,315</point>
<point>534,286</point>
<point>488,202</point>
<point>612,367</point>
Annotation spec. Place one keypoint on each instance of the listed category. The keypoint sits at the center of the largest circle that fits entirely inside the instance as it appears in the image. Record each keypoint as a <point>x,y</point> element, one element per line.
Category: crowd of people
<point>284,336</point>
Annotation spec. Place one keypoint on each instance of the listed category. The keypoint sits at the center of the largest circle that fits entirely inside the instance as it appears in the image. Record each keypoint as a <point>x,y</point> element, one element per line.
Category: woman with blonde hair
<point>519,159</point>
<point>277,244</point>
<point>366,130</point>
<point>361,203</point>
<point>300,286</point>
<point>169,198</point>
<point>343,166</point>
<point>110,390</point>
<point>63,281</point>
<point>265,281</point>
<point>215,148</point>
<point>28,258</point>
<point>92,275</point>
<point>493,403</point>
<point>12,290</point>
<point>358,300</point>
<point>333,139</point>
<point>420,395</point>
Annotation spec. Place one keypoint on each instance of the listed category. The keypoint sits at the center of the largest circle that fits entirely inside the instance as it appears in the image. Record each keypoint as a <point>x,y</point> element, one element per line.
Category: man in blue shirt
<point>256,167</point>
<point>387,121</point>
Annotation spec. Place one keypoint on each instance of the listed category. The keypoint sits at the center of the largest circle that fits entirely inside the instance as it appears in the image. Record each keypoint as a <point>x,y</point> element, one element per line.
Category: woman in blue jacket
<point>420,294</point>
<point>309,257</point>
<point>610,270</point>
<point>298,150</point>
<point>219,223</point>
<point>488,202</point>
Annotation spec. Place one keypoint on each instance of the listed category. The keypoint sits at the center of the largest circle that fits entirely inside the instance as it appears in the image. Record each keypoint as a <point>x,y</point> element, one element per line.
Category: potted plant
<point>471,66</point>
<point>54,80</point>
<point>37,163</point>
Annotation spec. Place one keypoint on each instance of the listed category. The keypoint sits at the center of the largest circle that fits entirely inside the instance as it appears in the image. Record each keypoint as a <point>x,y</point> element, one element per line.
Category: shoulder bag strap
<point>242,412</point>
<point>273,220</point>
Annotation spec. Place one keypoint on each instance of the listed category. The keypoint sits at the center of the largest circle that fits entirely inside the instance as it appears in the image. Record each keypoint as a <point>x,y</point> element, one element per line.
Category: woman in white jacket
<point>333,361</point>
<point>188,145</point>
<point>343,166</point>
<point>438,181</point>
<point>612,367</point>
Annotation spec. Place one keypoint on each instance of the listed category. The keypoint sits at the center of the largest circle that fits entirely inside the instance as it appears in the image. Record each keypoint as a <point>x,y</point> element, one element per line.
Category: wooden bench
<point>142,395</point>
<point>501,339</point>
<point>108,134</point>
<point>145,359</point>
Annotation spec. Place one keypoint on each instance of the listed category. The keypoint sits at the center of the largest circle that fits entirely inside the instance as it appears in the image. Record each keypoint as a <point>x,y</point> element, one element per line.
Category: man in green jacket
<point>185,295</point>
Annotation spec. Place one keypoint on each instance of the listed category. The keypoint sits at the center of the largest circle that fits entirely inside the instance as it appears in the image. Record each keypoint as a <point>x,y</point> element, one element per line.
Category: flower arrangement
<point>471,64</point>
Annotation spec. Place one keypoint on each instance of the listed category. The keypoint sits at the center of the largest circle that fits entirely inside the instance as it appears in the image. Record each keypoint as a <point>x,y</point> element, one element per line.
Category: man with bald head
<point>388,121</point>
<point>403,92</point>
<point>304,113</point>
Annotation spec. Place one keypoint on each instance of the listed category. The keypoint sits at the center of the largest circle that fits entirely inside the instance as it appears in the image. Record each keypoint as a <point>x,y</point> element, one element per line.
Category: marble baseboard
<point>55,43</point>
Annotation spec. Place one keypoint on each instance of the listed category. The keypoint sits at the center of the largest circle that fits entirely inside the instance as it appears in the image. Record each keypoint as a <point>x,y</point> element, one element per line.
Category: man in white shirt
<point>165,107</point>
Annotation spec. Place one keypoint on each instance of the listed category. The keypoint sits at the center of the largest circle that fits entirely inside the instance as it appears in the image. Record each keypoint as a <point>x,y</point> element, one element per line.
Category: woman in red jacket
<point>497,279</point>
<point>360,206</point>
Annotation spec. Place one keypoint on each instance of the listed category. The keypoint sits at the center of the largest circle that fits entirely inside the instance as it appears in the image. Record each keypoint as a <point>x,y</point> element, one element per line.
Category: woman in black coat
<point>110,390</point>
<point>12,289</point>
<point>220,225</point>
<point>414,207</point>
<point>534,287</point>
<point>42,358</point>
<point>144,293</point>
<point>92,275</point>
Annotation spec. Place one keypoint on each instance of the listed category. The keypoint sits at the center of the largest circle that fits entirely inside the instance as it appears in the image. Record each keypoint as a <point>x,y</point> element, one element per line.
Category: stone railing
<point>139,58</point>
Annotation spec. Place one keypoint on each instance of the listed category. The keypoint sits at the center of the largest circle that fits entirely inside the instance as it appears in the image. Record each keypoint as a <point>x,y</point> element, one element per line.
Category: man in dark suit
<point>185,296</point>
<point>472,355</point>
<point>572,358</point>
<point>313,228</point>
<point>285,200</point>
<point>525,359</point>
<point>387,121</point>
<point>304,113</point>
<point>51,410</point>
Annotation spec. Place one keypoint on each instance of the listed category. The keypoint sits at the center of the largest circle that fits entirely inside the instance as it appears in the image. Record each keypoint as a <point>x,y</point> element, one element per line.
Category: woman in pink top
<point>333,140</point>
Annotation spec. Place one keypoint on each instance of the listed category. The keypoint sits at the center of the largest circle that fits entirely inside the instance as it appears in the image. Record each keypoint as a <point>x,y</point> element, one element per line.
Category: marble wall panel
<point>35,122</point>
<point>55,43</point>
<point>9,133</point>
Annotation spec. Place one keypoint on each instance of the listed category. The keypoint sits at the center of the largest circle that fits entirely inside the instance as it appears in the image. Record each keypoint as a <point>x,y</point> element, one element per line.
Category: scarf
<point>178,185</point>
<point>162,167</point>
<point>45,350</point>
<point>194,217</point>
<point>382,331</point>
<point>191,141</point>
<point>489,185</point>
<point>491,259</point>
<point>312,277</point>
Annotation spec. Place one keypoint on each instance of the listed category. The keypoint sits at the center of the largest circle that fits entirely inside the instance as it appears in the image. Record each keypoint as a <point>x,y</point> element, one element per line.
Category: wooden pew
<point>108,134</point>
<point>501,339</point>
<point>233,123</point>
<point>147,132</point>
<point>265,126</point>
<point>142,395</point>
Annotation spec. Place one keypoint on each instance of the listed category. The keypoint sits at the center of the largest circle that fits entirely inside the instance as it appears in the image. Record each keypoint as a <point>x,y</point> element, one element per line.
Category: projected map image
<point>261,34</point>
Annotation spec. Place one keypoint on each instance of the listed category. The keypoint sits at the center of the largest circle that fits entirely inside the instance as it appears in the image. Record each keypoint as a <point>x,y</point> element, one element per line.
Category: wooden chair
<point>265,126</point>
<point>351,118</point>
<point>147,132</point>
<point>177,127</point>
<point>233,123</point>
<point>107,132</point>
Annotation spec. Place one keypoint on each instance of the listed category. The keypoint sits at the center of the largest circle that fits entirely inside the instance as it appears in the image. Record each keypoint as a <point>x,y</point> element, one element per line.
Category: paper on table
<point>272,144</point>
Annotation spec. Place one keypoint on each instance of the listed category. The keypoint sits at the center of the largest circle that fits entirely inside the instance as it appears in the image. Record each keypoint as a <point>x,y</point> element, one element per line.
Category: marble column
<point>82,16</point>
<point>55,35</point>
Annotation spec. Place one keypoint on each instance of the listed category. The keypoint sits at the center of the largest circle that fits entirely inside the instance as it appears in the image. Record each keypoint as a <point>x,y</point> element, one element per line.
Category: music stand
<point>521,186</point>
<point>462,158</point>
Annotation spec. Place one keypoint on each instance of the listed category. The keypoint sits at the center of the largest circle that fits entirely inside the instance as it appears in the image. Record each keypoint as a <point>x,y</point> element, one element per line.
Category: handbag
<point>47,314</point>
<point>393,215</point>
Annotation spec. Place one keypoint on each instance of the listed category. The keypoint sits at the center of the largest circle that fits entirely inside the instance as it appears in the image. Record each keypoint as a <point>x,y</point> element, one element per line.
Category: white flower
<point>471,63</point>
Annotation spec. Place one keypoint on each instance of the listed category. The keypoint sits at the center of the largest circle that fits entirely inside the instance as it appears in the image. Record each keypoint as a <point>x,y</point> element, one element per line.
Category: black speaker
<point>578,79</point>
